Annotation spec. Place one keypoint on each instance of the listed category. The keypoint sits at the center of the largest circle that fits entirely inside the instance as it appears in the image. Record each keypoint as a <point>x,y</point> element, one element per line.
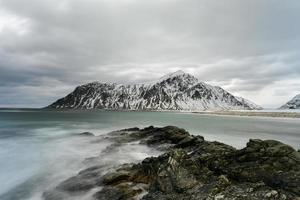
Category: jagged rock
<point>194,169</point>
<point>117,177</point>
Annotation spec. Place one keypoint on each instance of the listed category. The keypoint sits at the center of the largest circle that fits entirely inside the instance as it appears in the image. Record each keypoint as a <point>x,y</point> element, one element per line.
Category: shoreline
<point>251,114</point>
<point>241,113</point>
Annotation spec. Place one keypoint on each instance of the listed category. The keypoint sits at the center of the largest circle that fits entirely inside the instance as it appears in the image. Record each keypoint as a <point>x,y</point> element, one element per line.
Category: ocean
<point>40,148</point>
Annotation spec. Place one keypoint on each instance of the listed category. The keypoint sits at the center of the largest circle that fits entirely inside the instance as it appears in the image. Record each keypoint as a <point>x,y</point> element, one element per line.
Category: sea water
<point>40,148</point>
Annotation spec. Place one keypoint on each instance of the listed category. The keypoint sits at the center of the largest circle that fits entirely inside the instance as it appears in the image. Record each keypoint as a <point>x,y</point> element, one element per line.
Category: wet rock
<point>117,177</point>
<point>86,134</point>
<point>173,175</point>
<point>272,162</point>
<point>189,141</point>
<point>109,193</point>
<point>85,180</point>
<point>128,181</point>
<point>194,169</point>
<point>54,195</point>
<point>272,194</point>
<point>132,129</point>
<point>82,182</point>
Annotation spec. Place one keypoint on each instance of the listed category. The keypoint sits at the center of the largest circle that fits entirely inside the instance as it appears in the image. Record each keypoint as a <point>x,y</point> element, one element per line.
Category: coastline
<point>251,114</point>
<point>240,113</point>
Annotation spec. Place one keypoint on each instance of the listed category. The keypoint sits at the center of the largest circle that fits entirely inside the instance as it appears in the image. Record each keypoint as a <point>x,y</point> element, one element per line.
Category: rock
<point>272,194</point>
<point>189,141</point>
<point>54,195</point>
<point>219,197</point>
<point>83,181</point>
<point>173,175</point>
<point>272,162</point>
<point>116,177</point>
<point>109,193</point>
<point>131,129</point>
<point>86,134</point>
<point>75,184</point>
<point>193,169</point>
<point>168,134</point>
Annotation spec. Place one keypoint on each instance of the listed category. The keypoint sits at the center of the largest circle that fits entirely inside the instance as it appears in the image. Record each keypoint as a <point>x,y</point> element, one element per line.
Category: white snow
<point>292,104</point>
<point>181,92</point>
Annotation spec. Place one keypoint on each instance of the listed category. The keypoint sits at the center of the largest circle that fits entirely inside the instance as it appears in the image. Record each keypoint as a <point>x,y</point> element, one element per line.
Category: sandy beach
<point>253,113</point>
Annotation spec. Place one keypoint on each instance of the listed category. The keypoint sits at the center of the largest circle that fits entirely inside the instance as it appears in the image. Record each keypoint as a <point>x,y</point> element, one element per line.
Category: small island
<point>190,168</point>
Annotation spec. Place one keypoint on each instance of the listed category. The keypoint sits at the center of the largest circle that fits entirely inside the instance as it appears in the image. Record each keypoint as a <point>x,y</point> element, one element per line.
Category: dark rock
<point>189,141</point>
<point>168,134</point>
<point>84,181</point>
<point>194,169</point>
<point>54,195</point>
<point>117,177</point>
<point>86,134</point>
<point>109,193</point>
<point>131,129</point>
<point>76,183</point>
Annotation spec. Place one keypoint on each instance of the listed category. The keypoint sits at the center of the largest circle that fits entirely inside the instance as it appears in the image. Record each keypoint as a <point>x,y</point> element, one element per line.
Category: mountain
<point>175,91</point>
<point>292,104</point>
<point>251,104</point>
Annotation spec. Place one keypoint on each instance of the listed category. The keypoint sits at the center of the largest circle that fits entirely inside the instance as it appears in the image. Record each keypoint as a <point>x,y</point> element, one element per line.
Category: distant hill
<point>292,104</point>
<point>175,91</point>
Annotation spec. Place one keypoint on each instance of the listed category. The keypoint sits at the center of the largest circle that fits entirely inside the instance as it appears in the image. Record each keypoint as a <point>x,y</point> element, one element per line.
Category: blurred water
<point>38,148</point>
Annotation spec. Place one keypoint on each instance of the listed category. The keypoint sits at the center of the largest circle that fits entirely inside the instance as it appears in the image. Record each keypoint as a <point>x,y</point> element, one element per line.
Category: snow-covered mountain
<point>175,91</point>
<point>251,104</point>
<point>292,104</point>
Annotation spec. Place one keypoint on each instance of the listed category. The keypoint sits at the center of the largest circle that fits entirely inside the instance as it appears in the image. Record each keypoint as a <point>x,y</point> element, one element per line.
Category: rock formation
<point>192,169</point>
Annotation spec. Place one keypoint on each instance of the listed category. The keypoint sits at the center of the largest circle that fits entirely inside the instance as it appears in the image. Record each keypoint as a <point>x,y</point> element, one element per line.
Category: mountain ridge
<point>294,103</point>
<point>174,91</point>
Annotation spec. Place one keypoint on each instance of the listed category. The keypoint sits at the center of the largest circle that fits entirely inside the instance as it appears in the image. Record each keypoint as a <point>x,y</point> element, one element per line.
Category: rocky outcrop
<point>176,91</point>
<point>192,168</point>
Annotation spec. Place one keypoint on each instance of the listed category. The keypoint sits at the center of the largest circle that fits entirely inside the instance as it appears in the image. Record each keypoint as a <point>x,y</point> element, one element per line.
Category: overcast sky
<point>47,47</point>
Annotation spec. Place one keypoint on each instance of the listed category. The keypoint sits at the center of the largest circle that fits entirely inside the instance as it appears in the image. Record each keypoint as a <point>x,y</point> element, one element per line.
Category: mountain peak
<point>296,97</point>
<point>292,104</point>
<point>177,73</point>
<point>174,74</point>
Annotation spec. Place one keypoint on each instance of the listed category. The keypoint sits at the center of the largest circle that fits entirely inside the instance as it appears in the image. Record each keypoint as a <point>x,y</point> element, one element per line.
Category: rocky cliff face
<point>292,104</point>
<point>190,169</point>
<point>176,91</point>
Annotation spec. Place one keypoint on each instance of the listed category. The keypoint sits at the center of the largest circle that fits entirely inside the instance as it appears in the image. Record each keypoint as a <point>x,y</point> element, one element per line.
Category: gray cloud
<point>48,47</point>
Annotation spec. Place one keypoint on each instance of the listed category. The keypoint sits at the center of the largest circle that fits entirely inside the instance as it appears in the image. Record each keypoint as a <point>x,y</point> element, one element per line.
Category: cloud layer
<point>47,47</point>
